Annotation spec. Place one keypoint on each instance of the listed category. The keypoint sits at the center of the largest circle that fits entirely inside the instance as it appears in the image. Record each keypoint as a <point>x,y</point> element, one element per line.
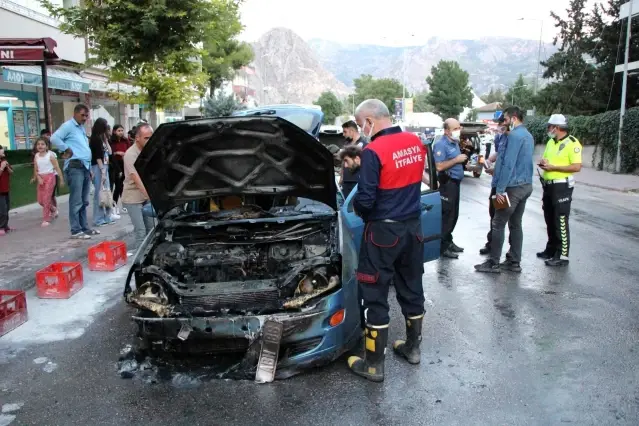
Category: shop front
<point>21,102</point>
<point>19,119</point>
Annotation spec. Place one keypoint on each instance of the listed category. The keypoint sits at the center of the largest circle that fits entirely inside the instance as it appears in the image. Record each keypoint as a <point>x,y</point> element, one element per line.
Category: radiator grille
<point>253,300</point>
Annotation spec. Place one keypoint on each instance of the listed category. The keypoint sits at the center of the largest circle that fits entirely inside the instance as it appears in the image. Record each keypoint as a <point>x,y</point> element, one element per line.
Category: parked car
<point>472,132</point>
<point>251,254</point>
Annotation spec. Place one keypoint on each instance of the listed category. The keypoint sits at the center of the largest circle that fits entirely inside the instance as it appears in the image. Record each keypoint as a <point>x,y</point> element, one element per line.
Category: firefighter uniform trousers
<point>391,251</point>
<point>556,205</point>
<point>450,193</point>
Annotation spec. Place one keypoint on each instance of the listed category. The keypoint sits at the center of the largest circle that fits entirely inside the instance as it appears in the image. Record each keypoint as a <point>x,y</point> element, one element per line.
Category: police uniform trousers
<point>556,202</point>
<point>450,191</point>
<point>391,252</point>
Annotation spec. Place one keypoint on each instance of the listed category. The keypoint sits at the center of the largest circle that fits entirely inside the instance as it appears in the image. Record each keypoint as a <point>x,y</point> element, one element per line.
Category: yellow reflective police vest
<point>562,153</point>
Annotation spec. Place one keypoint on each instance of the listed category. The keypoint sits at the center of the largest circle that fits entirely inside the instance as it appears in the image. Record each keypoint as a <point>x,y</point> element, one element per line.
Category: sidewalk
<point>605,180</point>
<point>30,248</point>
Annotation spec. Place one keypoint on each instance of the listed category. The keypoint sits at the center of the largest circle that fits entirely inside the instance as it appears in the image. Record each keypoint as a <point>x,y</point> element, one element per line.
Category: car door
<point>431,214</point>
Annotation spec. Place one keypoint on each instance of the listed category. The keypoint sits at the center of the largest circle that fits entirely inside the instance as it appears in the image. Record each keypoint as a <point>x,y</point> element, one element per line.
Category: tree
<point>420,102</point>
<point>449,90</point>
<point>582,71</point>
<point>332,107</point>
<point>153,42</point>
<point>384,89</point>
<point>223,53</point>
<point>221,105</point>
<point>608,50</point>
<point>471,116</point>
<point>520,94</point>
<point>494,96</point>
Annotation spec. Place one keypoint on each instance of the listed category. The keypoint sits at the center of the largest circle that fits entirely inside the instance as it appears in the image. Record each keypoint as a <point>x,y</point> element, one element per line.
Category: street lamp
<point>512,89</point>
<point>541,31</point>
<point>626,10</point>
<point>403,78</point>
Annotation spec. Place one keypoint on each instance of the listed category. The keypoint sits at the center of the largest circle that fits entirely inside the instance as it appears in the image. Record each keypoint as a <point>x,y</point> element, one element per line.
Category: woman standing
<point>100,152</point>
<point>119,145</point>
<point>47,171</point>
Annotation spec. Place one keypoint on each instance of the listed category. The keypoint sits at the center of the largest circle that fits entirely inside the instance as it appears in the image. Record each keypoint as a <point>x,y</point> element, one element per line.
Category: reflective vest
<point>564,152</point>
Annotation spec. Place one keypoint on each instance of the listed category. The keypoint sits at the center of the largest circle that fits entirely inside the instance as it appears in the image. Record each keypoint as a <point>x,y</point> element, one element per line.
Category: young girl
<point>5,184</point>
<point>46,168</point>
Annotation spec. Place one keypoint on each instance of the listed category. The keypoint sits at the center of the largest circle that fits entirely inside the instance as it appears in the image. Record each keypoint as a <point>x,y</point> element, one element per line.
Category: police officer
<point>561,160</point>
<point>349,177</point>
<point>388,200</point>
<point>450,172</point>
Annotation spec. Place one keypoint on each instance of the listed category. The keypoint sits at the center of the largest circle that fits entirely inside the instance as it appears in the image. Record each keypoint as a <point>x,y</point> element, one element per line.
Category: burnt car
<point>250,254</point>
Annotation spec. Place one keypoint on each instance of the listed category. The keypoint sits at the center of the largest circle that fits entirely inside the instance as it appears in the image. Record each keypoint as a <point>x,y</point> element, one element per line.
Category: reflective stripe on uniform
<point>564,235</point>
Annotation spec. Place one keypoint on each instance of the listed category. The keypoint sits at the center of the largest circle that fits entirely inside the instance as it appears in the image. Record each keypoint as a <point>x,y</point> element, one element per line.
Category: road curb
<point>27,280</point>
<point>610,188</point>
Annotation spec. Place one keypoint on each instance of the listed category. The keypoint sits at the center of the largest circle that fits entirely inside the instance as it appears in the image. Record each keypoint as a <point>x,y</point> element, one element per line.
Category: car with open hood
<point>250,254</point>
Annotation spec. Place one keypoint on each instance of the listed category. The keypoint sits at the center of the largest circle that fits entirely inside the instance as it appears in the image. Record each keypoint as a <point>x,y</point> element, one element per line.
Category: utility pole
<point>624,85</point>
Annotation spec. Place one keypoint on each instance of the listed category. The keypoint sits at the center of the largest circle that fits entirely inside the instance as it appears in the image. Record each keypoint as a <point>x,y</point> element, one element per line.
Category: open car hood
<point>190,160</point>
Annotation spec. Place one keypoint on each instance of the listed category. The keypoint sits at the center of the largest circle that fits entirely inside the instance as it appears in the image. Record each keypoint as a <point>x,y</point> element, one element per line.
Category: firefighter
<point>388,200</point>
<point>561,160</point>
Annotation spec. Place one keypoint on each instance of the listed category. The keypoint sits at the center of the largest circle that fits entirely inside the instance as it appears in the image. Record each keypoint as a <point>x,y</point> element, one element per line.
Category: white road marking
<point>10,408</point>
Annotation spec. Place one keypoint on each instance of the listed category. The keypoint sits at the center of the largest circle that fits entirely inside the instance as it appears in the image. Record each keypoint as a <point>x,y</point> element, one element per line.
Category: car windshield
<point>302,119</point>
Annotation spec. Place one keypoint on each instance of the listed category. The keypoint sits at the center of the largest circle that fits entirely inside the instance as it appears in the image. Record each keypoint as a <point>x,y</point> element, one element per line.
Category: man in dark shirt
<point>348,178</point>
<point>389,201</point>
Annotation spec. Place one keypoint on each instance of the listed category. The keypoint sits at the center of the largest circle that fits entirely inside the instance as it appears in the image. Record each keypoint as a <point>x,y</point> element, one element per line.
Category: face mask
<point>511,126</point>
<point>456,134</point>
<point>370,132</point>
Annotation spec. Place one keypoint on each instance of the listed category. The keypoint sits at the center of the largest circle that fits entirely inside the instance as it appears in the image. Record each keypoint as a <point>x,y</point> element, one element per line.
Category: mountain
<point>288,71</point>
<point>489,61</point>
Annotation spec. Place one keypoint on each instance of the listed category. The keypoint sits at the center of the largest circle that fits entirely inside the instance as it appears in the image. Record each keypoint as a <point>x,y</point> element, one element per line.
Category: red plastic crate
<point>59,280</point>
<point>107,256</point>
<point>13,310</point>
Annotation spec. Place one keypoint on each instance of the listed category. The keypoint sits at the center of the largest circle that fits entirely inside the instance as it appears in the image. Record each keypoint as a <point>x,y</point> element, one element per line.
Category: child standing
<point>47,169</point>
<point>5,183</point>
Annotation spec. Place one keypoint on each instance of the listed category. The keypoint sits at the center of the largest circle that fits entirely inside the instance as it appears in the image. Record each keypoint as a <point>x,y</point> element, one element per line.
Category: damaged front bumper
<point>308,338</point>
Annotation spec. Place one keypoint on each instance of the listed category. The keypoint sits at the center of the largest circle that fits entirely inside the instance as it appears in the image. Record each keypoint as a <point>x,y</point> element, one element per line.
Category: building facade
<point>21,94</point>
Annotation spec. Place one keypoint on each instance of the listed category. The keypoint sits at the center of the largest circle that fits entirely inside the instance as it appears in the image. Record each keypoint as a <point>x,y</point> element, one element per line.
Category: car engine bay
<point>241,267</point>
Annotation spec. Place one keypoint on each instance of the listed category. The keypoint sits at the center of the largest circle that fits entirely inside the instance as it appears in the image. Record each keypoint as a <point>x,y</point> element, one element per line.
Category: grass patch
<point>23,192</point>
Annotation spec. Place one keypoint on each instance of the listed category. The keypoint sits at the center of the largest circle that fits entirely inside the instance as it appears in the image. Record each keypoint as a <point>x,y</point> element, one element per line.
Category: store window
<point>19,119</point>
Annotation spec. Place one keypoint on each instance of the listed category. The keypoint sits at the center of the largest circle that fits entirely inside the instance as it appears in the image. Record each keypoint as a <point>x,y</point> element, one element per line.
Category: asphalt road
<point>542,348</point>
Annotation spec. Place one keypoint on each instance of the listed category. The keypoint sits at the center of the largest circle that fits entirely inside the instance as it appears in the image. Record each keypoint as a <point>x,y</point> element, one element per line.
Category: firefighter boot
<point>409,348</point>
<point>371,367</point>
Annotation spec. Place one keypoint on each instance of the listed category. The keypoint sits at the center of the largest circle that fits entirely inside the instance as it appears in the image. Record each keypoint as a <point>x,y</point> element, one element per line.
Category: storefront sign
<point>21,54</point>
<point>18,77</point>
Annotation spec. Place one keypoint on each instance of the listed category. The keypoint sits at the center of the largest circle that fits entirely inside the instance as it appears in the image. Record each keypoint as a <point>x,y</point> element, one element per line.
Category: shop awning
<point>58,79</point>
<point>25,50</point>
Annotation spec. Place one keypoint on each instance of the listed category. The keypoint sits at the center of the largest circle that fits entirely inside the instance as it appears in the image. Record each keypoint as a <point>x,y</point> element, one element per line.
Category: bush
<point>19,156</point>
<point>23,192</point>
<point>601,130</point>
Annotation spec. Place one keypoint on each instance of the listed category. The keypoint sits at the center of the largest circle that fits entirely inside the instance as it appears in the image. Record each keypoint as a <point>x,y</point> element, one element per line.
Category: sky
<point>404,22</point>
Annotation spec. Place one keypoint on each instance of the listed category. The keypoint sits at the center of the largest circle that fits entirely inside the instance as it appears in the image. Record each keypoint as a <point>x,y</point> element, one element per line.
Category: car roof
<point>286,111</point>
